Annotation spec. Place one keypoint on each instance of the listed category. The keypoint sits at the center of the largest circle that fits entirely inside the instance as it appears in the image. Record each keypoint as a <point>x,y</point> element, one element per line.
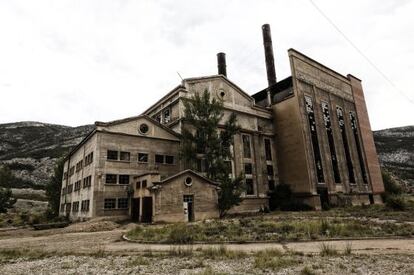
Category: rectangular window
<point>358,146</point>
<point>65,175</point>
<point>142,157</point>
<point>271,184</point>
<point>72,171</point>
<point>77,185</point>
<point>159,159</point>
<point>124,156</point>
<point>138,185</point>
<point>75,206</point>
<point>62,207</point>
<point>70,188</point>
<point>269,170</point>
<point>87,182</point>
<point>249,187</point>
<point>89,159</point>
<point>342,129</point>
<point>110,203</point>
<point>112,155</point>
<point>314,138</point>
<point>167,116</point>
<point>158,118</point>
<point>144,184</point>
<point>169,159</point>
<point>246,146</point>
<point>85,206</point>
<point>268,149</point>
<point>329,133</point>
<point>123,179</point>
<point>201,165</point>
<point>110,178</point>
<point>123,203</point>
<point>248,169</point>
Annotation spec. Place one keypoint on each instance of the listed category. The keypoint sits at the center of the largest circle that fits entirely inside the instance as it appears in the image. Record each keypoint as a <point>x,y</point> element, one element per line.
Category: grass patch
<point>307,271</point>
<point>137,261</point>
<point>327,250</point>
<point>221,252</point>
<point>181,251</point>
<point>273,263</point>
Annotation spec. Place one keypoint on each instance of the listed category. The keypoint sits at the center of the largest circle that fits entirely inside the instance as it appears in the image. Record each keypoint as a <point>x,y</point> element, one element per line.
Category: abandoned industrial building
<point>310,131</point>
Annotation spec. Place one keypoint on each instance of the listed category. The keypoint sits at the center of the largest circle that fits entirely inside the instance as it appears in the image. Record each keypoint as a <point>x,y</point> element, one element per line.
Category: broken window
<point>124,156</point>
<point>85,206</point>
<point>112,155</point>
<point>87,181</point>
<point>248,169</point>
<point>314,138</point>
<point>110,203</point>
<point>75,206</point>
<point>269,169</point>
<point>142,157</point>
<point>246,146</point>
<point>89,159</point>
<point>342,129</point>
<point>329,133</point>
<point>167,116</point>
<point>268,149</point>
<point>358,146</point>
<point>110,178</point>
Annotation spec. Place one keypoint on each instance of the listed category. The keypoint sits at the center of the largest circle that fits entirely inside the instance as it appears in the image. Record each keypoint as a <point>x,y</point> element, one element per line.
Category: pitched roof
<point>191,172</point>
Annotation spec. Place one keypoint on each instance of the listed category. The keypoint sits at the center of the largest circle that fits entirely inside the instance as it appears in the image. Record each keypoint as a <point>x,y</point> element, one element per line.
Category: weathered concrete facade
<point>310,131</point>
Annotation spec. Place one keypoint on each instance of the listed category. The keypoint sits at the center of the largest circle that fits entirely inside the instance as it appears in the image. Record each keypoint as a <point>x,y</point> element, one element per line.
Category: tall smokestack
<point>221,64</point>
<point>268,48</point>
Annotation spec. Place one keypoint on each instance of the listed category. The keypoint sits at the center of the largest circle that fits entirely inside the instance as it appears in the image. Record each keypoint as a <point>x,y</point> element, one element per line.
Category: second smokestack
<point>221,64</point>
<point>270,61</point>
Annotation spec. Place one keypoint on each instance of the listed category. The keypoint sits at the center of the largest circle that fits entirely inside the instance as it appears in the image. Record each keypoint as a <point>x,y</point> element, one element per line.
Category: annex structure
<point>310,130</point>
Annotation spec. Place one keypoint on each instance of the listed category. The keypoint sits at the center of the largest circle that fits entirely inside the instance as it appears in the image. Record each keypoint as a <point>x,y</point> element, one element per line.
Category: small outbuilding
<point>185,196</point>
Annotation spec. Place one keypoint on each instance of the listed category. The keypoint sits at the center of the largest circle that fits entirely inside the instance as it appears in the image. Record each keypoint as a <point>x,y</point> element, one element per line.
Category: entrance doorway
<point>135,210</point>
<point>188,204</point>
<point>324,197</point>
<point>371,198</point>
<point>146,209</point>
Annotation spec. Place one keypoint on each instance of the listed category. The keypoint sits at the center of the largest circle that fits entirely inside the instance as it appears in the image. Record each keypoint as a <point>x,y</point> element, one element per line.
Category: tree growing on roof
<point>207,150</point>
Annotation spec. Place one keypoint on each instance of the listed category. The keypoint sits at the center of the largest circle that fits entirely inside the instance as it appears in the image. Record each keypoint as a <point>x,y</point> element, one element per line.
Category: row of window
<point>87,182</point>
<point>142,157</point>
<point>116,203</point>
<point>141,184</point>
<point>79,165</point>
<point>165,117</point>
<point>75,206</point>
<point>116,179</point>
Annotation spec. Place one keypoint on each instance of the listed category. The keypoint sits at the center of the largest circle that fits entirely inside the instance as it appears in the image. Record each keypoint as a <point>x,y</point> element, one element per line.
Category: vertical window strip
<point>329,133</point>
<point>342,129</point>
<point>358,146</point>
<point>314,138</point>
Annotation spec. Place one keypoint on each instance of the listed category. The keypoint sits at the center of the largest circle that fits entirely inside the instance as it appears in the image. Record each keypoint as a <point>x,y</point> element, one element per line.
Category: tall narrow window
<point>268,149</point>
<point>329,133</point>
<point>314,138</point>
<point>349,164</point>
<point>358,146</point>
<point>249,187</point>
<point>247,153</point>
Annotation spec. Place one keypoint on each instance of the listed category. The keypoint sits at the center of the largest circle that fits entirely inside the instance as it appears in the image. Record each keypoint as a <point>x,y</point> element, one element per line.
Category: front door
<point>146,209</point>
<point>188,208</point>
<point>135,210</point>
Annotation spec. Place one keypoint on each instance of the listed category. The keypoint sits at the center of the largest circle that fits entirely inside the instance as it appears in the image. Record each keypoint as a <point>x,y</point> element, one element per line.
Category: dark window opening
<point>314,138</point>
<point>159,158</point>
<point>122,203</point>
<point>144,184</point>
<point>358,146</point>
<point>268,149</point>
<point>271,184</point>
<point>248,169</point>
<point>123,179</point>
<point>167,116</point>
<point>112,155</point>
<point>169,159</point>
<point>269,170</point>
<point>138,185</point>
<point>110,203</point>
<point>142,157</point>
<point>329,133</point>
<point>349,164</point>
<point>249,187</point>
<point>125,156</point>
<point>110,178</point>
<point>246,146</point>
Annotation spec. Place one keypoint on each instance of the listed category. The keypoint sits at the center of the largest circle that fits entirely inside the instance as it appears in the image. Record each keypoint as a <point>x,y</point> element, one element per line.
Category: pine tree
<point>205,149</point>
<point>53,188</point>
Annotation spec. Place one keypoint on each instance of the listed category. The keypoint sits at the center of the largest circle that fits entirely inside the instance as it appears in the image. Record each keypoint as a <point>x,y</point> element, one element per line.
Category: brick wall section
<point>371,156</point>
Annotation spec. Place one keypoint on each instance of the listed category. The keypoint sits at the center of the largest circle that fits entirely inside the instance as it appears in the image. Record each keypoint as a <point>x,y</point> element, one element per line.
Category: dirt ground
<point>107,253</point>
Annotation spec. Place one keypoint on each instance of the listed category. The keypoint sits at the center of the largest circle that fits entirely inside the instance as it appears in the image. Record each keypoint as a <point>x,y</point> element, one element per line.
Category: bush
<point>396,202</point>
<point>391,186</point>
<point>181,234</point>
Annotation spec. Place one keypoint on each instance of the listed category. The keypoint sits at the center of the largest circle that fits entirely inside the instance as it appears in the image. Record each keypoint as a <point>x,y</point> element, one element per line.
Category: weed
<point>307,271</point>
<point>348,248</point>
<point>327,250</point>
<point>137,261</point>
<point>222,252</point>
<point>181,251</point>
<point>273,263</point>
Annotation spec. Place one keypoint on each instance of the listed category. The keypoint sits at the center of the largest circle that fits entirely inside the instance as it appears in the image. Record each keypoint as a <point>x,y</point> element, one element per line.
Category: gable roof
<point>188,171</point>
<point>119,121</point>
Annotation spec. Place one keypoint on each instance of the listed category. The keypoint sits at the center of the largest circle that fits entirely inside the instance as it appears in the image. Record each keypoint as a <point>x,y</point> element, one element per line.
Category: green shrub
<point>396,202</point>
<point>391,186</point>
<point>327,250</point>
<point>181,234</point>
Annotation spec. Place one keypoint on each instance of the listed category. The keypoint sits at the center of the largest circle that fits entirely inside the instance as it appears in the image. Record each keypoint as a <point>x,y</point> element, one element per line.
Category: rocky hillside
<point>30,149</point>
<point>395,147</point>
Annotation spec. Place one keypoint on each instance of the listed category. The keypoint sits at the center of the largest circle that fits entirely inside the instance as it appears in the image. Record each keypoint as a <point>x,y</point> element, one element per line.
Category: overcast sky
<point>77,62</point>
